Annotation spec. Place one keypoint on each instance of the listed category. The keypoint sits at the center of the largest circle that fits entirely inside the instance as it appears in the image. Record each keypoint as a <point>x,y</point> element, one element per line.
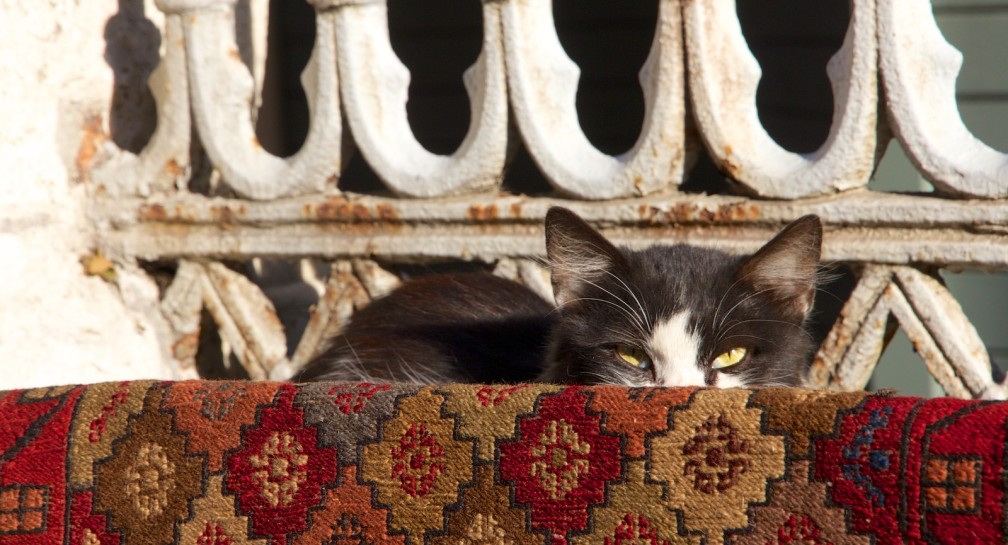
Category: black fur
<point>732,301</point>
<point>444,328</point>
<point>479,328</point>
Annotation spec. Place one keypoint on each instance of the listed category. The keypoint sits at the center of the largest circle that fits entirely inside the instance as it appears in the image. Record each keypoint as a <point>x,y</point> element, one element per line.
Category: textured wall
<point>71,83</point>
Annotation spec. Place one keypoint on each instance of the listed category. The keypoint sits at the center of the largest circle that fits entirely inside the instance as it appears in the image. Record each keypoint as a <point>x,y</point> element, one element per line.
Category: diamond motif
<point>279,471</point>
<point>213,520</point>
<point>102,417</point>
<point>150,470</point>
<point>348,517</point>
<point>715,456</point>
<point>213,413</point>
<point>486,517</point>
<point>488,413</point>
<point>798,514</point>
<point>87,528</point>
<point>418,465</point>
<point>634,515</point>
<point>716,444</point>
<point>561,462</point>
<point>347,415</point>
<point>643,411</point>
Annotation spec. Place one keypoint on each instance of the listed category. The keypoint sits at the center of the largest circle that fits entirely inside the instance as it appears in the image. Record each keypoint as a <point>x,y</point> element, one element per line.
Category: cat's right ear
<point>579,256</point>
<point>785,267</point>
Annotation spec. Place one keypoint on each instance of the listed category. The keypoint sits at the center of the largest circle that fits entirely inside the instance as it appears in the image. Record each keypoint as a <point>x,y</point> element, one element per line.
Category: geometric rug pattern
<point>221,463</point>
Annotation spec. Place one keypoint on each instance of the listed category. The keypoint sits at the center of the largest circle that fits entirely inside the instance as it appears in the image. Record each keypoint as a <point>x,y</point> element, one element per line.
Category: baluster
<point>162,163</point>
<point>723,77</point>
<point>222,89</point>
<point>375,87</point>
<point>931,318</point>
<point>919,70</point>
<point>543,83</point>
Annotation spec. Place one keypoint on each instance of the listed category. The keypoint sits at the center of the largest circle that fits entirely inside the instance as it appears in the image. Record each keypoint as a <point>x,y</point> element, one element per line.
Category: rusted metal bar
<point>867,227</point>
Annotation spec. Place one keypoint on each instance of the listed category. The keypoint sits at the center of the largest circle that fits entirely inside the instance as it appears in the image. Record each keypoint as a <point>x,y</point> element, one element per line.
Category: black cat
<point>668,316</point>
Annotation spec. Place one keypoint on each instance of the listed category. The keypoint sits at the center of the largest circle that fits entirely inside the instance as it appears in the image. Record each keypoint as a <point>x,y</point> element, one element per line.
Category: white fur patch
<point>728,380</point>
<point>676,350</point>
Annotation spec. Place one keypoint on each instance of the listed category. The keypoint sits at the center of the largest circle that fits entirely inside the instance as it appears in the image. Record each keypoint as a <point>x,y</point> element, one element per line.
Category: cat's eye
<point>634,356</point>
<point>729,358</point>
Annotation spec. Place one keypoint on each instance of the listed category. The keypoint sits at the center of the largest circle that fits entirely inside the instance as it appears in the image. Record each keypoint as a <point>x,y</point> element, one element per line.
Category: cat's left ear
<point>579,256</point>
<point>786,266</point>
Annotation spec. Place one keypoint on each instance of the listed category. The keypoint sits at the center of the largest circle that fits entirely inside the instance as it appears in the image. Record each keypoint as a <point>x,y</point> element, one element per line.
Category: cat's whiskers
<point>723,334</point>
<point>613,375</point>
<point>629,314</point>
<point>421,374</point>
<point>640,319</point>
<point>721,301</point>
<point>352,370</point>
<point>757,337</point>
<point>644,313</point>
<point>724,319</point>
<point>617,335</point>
<point>780,376</point>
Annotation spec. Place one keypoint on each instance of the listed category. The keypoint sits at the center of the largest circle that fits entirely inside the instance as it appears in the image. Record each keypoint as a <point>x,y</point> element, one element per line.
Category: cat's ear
<point>579,256</point>
<point>785,267</point>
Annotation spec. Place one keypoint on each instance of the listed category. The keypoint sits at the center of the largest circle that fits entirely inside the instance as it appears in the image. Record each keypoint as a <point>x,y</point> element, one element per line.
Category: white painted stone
<point>222,91</point>
<point>543,83</point>
<point>723,78</point>
<point>59,326</point>
<point>919,70</point>
<point>375,88</point>
<point>163,164</point>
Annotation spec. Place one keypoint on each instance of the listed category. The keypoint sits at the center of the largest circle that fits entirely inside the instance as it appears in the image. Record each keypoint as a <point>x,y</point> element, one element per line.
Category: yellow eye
<point>634,356</point>
<point>729,358</point>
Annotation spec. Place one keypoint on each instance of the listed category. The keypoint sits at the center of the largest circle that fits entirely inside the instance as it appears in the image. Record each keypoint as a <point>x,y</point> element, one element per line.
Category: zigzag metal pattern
<point>931,318</point>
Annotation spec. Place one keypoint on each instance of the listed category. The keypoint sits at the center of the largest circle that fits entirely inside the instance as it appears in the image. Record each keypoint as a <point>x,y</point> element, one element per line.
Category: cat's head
<point>680,315</point>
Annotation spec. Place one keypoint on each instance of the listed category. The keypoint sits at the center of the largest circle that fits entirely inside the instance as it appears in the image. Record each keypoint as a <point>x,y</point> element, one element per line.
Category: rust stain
<point>186,345</point>
<point>226,214</point>
<point>181,213</point>
<point>638,182</point>
<point>685,212</point>
<point>483,212</point>
<point>152,212</point>
<point>647,213</point>
<point>728,165</point>
<point>172,167</point>
<point>516,209</point>
<point>339,208</point>
<point>234,54</point>
<point>386,212</point>
<point>92,137</point>
<point>730,169</point>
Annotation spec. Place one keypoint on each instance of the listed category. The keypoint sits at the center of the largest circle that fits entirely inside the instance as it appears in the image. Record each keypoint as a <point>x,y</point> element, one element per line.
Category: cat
<point>675,315</point>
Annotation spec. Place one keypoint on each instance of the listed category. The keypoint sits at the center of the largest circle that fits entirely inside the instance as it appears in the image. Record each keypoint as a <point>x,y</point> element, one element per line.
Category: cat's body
<point>467,327</point>
<point>669,316</point>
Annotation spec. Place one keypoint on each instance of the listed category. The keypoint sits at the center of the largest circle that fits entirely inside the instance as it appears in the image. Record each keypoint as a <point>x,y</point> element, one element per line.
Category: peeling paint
<point>92,137</point>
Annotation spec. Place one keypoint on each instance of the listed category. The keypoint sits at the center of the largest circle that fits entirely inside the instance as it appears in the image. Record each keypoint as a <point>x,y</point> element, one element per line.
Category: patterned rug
<point>218,463</point>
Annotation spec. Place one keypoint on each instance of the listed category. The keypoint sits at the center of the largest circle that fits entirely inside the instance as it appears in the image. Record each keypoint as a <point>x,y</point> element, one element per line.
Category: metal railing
<point>894,76</point>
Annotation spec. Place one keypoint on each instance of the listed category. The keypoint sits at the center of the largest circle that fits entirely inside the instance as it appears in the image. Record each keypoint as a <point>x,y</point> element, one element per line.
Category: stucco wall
<point>57,85</point>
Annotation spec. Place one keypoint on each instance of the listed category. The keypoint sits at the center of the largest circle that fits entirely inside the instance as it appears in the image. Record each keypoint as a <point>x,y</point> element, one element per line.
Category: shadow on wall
<point>131,49</point>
